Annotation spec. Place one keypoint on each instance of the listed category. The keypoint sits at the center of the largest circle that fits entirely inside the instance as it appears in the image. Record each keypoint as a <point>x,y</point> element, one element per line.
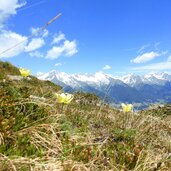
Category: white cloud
<point>57,38</point>
<point>35,43</point>
<point>8,8</point>
<point>58,64</point>
<point>169,59</point>
<point>18,43</point>
<point>69,48</point>
<point>7,40</point>
<point>54,53</point>
<point>145,57</point>
<point>155,66</point>
<point>106,67</point>
<point>36,54</point>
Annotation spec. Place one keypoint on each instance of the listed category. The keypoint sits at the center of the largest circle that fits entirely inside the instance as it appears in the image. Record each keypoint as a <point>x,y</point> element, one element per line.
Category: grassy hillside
<point>37,133</point>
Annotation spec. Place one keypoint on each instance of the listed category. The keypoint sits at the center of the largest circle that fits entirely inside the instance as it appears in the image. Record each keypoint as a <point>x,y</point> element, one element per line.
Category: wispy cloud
<point>155,66</point>
<point>143,47</point>
<point>148,56</point>
<point>106,67</point>
<point>58,64</point>
<point>165,65</point>
<point>32,5</point>
<point>146,48</point>
<point>36,54</point>
<point>156,45</point>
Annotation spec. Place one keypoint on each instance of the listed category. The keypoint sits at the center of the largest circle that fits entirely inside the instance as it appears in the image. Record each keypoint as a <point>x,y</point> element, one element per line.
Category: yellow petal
<point>24,72</point>
<point>127,108</point>
<point>69,98</point>
<point>131,107</point>
<point>64,98</point>
<point>123,107</point>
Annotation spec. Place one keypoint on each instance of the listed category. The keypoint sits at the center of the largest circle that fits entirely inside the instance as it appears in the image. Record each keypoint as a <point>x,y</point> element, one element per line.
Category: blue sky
<point>114,36</point>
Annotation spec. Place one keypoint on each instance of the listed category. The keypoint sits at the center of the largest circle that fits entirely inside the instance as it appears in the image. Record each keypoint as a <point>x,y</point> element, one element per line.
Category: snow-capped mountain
<point>156,78</point>
<point>60,77</point>
<point>96,80</point>
<point>132,80</point>
<point>127,88</point>
<point>150,78</point>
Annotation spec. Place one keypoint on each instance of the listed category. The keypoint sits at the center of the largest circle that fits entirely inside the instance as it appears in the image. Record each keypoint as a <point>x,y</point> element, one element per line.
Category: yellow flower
<point>64,97</point>
<point>127,108</point>
<point>24,72</point>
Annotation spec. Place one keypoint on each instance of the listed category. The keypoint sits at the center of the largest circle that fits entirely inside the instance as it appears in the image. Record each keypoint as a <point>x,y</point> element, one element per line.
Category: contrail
<point>40,29</point>
<point>30,6</point>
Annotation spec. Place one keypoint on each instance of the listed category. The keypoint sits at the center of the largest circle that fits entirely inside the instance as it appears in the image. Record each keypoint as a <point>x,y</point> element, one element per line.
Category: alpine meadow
<point>85,85</point>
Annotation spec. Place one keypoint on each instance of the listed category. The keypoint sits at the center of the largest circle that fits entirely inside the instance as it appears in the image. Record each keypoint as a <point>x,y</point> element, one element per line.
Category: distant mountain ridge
<point>131,88</point>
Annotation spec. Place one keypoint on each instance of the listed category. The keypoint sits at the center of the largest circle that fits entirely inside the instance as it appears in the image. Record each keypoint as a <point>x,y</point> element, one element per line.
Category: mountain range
<point>131,88</point>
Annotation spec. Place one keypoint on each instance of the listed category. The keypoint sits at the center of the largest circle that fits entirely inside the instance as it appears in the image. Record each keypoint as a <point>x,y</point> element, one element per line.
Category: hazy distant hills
<point>131,88</point>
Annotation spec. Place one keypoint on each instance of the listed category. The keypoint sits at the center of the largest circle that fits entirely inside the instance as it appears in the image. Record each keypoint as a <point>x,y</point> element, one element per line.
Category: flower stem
<point>62,107</point>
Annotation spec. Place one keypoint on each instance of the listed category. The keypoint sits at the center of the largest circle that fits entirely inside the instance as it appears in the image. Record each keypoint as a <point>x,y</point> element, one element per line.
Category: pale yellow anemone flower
<point>65,98</point>
<point>24,72</point>
<point>127,107</point>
